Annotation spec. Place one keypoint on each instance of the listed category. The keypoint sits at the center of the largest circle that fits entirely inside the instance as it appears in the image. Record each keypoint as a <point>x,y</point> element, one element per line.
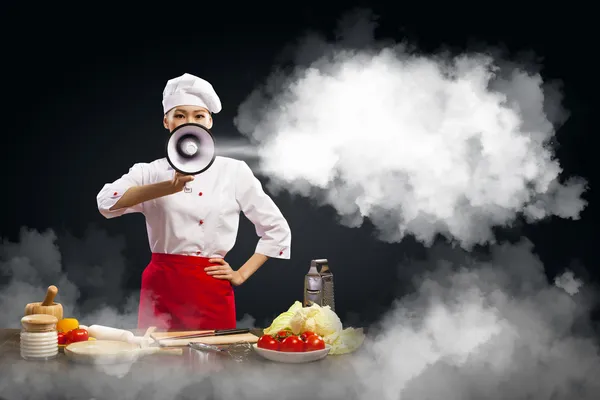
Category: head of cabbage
<point>320,320</point>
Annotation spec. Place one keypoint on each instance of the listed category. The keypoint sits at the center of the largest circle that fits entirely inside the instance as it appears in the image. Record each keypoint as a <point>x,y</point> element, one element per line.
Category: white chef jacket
<point>203,222</point>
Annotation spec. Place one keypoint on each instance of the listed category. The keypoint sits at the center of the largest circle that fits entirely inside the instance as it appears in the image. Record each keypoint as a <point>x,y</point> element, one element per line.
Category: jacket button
<point>200,194</point>
<point>198,252</point>
<point>281,253</point>
<point>115,193</point>
<point>201,222</point>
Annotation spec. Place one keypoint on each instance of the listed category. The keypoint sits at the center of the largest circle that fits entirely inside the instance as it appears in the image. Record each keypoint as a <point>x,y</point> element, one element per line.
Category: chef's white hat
<point>189,90</point>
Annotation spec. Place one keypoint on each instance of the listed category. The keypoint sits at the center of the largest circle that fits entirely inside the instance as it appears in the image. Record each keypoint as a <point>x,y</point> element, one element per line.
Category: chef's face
<point>185,115</point>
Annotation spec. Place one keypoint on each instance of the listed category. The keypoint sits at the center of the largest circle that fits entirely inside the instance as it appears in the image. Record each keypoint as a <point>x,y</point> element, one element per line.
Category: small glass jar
<point>240,351</point>
<point>39,337</point>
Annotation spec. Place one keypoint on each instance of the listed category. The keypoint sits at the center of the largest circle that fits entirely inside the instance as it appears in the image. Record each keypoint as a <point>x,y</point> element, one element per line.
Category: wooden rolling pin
<point>48,306</point>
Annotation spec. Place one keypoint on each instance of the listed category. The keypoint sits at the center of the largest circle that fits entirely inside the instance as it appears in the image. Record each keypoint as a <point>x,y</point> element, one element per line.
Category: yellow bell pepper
<point>67,324</point>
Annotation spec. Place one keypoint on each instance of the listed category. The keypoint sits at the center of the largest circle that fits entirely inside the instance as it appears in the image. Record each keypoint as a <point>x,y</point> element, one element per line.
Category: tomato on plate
<point>267,342</point>
<point>314,342</point>
<point>77,335</point>
<point>292,344</point>
<point>62,338</point>
<point>283,334</point>
<point>305,335</point>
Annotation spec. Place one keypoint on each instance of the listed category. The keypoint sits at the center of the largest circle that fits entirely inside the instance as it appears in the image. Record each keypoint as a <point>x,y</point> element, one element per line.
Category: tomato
<point>305,335</point>
<point>283,334</point>
<point>292,344</point>
<point>62,338</point>
<point>267,342</point>
<point>314,342</point>
<point>77,335</point>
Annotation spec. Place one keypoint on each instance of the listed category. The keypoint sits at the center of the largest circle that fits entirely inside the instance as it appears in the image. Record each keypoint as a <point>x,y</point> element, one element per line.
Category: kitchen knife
<point>217,332</point>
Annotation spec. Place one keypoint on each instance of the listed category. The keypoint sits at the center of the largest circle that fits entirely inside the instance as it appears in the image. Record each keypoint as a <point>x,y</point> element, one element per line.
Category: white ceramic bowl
<point>292,358</point>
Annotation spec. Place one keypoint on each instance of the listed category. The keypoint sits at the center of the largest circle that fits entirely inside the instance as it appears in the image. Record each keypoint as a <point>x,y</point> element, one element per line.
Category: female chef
<point>188,285</point>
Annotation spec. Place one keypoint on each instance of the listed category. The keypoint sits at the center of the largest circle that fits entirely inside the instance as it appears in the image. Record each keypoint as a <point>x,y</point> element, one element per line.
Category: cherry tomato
<point>292,344</point>
<point>62,338</point>
<point>283,334</point>
<point>77,335</point>
<point>314,342</point>
<point>267,342</point>
<point>305,335</point>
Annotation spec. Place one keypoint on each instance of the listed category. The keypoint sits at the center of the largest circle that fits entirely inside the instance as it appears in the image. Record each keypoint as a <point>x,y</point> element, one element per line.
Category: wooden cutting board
<point>217,340</point>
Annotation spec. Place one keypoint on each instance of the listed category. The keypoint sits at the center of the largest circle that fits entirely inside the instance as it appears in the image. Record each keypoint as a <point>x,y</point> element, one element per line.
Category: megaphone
<point>191,149</point>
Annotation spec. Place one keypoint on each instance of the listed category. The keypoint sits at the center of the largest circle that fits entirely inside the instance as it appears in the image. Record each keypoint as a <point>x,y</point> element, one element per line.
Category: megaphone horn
<point>191,149</point>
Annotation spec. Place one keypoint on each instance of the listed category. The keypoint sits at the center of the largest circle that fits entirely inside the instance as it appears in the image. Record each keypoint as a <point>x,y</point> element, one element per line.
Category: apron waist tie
<point>180,259</point>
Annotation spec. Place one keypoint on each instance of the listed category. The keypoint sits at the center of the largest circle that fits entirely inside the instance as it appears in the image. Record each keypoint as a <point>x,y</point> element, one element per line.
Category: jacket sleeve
<point>112,192</point>
<point>271,226</point>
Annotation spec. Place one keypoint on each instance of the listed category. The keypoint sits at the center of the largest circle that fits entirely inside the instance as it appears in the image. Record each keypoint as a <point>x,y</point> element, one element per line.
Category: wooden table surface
<point>187,376</point>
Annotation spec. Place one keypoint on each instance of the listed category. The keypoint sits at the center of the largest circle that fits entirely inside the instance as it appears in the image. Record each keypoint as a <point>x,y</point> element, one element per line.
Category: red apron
<point>177,294</point>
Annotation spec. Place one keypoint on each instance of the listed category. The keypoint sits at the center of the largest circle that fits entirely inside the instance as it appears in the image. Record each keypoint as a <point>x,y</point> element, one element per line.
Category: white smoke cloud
<point>568,282</point>
<point>477,326</point>
<point>419,144</point>
<point>486,329</point>
<point>88,273</point>
<point>247,321</point>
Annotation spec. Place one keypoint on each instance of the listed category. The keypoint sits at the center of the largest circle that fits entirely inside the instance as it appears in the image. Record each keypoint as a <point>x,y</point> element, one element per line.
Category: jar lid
<point>39,322</point>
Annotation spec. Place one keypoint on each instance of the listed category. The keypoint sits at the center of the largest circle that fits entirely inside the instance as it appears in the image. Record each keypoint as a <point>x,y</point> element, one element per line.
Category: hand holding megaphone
<point>179,181</point>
